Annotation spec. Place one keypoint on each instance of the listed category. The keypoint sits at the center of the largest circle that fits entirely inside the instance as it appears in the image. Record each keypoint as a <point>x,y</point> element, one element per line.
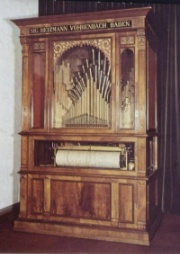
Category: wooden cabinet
<point>89,165</point>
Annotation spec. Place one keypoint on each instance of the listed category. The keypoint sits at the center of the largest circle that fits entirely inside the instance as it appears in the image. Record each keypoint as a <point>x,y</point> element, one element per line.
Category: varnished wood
<point>139,13</point>
<point>97,203</point>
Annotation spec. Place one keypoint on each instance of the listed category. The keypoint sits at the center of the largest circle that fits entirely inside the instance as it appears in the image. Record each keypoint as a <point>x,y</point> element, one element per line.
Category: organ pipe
<point>89,91</point>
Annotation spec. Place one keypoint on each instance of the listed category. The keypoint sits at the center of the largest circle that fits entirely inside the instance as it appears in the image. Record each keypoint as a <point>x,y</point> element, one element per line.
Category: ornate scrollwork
<point>102,44</point>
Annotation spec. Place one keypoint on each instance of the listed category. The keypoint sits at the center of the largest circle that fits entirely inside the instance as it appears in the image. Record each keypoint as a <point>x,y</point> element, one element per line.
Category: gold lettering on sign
<point>93,26</point>
<point>120,24</point>
<point>53,29</point>
<point>81,27</point>
<point>33,30</point>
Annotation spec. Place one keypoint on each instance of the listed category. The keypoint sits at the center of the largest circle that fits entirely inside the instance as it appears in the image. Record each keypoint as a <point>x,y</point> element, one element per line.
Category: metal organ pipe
<point>89,92</point>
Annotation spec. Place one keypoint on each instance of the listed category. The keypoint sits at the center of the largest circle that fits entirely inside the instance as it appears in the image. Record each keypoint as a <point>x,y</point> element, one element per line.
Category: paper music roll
<point>97,159</point>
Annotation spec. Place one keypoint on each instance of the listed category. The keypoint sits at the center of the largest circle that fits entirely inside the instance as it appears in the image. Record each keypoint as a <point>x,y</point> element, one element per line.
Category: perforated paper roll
<point>97,159</point>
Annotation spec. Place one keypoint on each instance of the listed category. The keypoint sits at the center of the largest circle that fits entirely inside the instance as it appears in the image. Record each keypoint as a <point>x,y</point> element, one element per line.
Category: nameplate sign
<point>81,27</point>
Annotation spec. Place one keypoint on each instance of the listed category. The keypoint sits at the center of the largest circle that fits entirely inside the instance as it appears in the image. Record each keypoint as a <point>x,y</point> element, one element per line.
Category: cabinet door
<point>126,80</point>
<point>37,76</point>
<point>82,91</point>
<point>131,81</point>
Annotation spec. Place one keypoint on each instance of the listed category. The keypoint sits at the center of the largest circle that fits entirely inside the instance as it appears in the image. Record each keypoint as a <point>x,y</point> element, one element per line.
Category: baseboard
<point>14,208</point>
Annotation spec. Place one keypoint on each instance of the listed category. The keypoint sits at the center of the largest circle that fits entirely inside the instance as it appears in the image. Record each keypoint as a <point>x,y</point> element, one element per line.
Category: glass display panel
<point>43,153</point>
<point>82,88</point>
<point>119,156</point>
<point>127,89</point>
<point>38,90</point>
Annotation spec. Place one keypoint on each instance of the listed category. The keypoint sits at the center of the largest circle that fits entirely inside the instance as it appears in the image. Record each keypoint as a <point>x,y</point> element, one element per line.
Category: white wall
<point>10,96</point>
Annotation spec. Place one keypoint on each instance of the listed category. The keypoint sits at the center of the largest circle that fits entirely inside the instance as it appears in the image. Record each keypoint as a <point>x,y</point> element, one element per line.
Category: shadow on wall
<point>17,111</point>
<point>11,86</point>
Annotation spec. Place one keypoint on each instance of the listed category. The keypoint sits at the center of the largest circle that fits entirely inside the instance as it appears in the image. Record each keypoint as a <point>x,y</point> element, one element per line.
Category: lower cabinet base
<point>90,232</point>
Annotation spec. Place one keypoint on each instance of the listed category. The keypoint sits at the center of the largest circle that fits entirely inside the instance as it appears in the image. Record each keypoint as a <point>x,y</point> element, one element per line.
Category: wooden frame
<point>114,204</point>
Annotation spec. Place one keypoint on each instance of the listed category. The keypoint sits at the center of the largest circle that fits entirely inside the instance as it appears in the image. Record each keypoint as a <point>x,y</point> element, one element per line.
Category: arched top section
<point>85,59</point>
<point>127,64</point>
<point>82,88</point>
<point>104,45</point>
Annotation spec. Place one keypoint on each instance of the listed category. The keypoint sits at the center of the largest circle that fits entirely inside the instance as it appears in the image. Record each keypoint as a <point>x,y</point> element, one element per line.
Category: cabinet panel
<point>81,199</point>
<point>36,195</point>
<point>38,96</point>
<point>126,203</point>
<point>153,197</point>
<point>25,87</point>
<point>141,89</point>
<point>152,93</point>
<point>126,58</point>
<point>127,88</point>
<point>23,196</point>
